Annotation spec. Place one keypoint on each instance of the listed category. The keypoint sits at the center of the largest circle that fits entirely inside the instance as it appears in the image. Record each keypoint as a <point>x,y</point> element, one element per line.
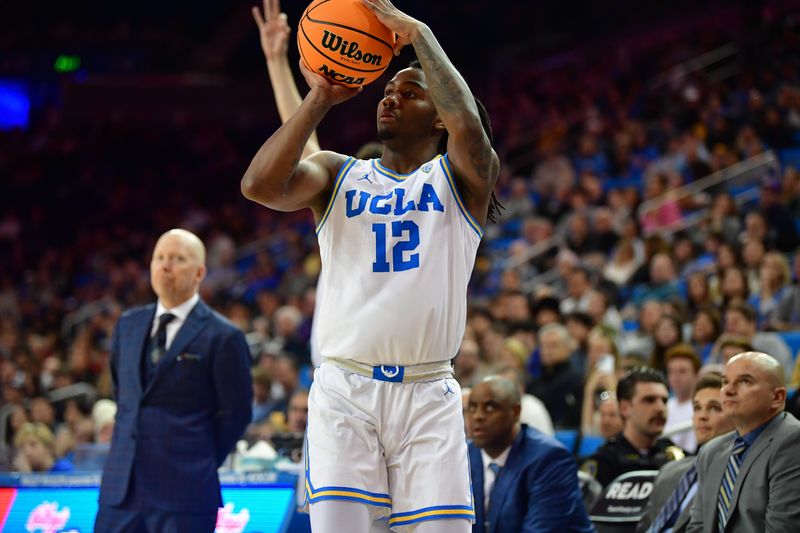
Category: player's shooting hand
<point>273,30</point>
<point>332,93</point>
<point>404,26</point>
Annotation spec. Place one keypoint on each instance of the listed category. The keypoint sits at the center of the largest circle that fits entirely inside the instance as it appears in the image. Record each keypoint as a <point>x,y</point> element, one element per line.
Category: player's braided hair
<point>494,204</point>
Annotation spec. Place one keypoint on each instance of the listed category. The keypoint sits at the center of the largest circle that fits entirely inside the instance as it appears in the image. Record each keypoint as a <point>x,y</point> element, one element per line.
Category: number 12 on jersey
<point>406,229</point>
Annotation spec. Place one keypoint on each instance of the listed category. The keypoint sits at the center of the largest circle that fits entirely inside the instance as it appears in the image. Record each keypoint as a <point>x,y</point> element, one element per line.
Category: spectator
<point>786,315</point>
<point>698,291</point>
<point>298,412</point>
<point>533,412</point>
<point>623,263</point>
<point>546,310</point>
<point>723,217</point>
<point>683,367</point>
<point>667,333</point>
<point>759,490</point>
<point>579,284</point>
<point>734,287</point>
<point>603,359</point>
<point>35,444</point>
<point>753,252</point>
<point>522,480</point>
<point>602,313</point>
<point>642,395</point>
<point>611,423</point>
<point>42,412</point>
<point>670,504</point>
<point>103,415</point>
<point>640,340</point>
<point>467,363</point>
<point>740,319</point>
<point>778,221</point>
<point>263,403</point>
<point>773,281</point>
<point>668,212</point>
<point>560,385</point>
<point>663,281</point>
<point>706,329</point>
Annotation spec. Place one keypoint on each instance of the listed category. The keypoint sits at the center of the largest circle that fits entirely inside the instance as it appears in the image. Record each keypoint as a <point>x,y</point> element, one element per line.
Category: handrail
<point>693,219</point>
<point>73,391</point>
<point>738,170</point>
<point>544,278</point>
<point>84,313</point>
<point>533,251</point>
<point>694,64</point>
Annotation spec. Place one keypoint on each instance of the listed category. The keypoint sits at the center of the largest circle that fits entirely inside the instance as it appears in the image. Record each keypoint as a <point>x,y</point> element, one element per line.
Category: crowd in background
<point>583,145</point>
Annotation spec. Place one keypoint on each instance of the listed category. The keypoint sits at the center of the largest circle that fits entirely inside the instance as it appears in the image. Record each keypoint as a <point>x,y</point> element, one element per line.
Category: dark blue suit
<point>172,433</point>
<point>536,491</point>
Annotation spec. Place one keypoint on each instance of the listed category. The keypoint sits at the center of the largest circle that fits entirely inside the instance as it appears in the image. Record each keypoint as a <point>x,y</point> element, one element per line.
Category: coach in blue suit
<point>522,479</point>
<point>181,375</point>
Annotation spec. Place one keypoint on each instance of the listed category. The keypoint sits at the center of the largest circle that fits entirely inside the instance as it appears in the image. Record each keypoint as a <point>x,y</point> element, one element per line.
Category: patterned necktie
<point>729,482</point>
<point>666,516</point>
<point>494,467</point>
<point>160,346</point>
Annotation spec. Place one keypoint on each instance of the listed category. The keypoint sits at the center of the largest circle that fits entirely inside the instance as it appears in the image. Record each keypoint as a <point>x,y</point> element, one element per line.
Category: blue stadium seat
<point>589,444</point>
<point>567,437</point>
<point>792,340</point>
<point>790,157</point>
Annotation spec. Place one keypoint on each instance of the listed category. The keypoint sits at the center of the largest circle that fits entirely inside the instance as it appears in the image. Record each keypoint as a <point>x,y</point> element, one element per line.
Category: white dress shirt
<point>181,313</point>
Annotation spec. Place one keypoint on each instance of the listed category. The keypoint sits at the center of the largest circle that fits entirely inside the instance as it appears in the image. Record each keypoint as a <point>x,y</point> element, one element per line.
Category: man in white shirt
<point>683,366</point>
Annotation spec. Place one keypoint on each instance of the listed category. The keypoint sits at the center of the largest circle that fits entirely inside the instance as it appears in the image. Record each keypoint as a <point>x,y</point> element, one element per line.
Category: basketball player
<point>398,238</point>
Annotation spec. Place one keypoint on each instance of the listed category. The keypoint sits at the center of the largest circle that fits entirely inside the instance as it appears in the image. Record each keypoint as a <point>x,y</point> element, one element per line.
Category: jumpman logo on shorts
<point>447,389</point>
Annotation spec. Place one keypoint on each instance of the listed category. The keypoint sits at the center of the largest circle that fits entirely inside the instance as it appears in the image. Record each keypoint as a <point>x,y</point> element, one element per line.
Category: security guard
<point>642,395</point>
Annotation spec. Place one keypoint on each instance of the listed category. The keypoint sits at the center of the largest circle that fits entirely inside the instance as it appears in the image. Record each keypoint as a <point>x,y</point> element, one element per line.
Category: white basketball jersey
<point>397,254</point>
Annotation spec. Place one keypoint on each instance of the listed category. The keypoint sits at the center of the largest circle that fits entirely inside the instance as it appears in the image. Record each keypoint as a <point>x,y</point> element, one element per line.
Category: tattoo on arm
<point>450,94</point>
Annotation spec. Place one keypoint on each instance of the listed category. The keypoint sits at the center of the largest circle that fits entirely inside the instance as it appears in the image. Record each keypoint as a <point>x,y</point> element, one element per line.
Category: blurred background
<point>649,151</point>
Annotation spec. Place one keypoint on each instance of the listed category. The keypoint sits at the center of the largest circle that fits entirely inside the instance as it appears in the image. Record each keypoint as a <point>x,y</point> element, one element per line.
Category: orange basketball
<point>343,41</point>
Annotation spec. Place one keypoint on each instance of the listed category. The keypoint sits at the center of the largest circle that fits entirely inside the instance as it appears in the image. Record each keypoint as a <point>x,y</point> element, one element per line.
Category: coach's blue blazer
<point>536,491</point>
<point>177,431</point>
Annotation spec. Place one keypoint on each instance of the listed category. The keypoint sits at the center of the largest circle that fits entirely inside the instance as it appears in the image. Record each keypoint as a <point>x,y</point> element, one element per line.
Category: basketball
<point>343,41</point>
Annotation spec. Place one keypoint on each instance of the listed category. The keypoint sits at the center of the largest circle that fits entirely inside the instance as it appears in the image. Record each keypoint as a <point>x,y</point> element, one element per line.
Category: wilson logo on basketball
<point>335,43</point>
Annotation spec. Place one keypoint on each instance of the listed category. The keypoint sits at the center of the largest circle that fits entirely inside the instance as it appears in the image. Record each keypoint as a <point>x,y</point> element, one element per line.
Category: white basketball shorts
<point>399,448</point>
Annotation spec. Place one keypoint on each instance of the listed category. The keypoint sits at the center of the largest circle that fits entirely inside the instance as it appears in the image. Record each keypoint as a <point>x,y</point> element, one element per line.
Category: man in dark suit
<point>750,478</point>
<point>181,376</point>
<point>522,479</point>
<point>669,506</point>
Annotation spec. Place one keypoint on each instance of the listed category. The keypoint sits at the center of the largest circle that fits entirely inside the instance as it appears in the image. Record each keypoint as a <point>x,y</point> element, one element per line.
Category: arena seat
<point>792,340</point>
<point>567,437</point>
<point>589,444</point>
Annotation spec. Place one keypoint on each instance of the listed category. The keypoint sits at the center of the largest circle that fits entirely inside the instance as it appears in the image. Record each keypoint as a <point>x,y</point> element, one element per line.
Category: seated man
<point>522,480</point>
<point>642,395</point>
<point>670,504</point>
<point>749,479</point>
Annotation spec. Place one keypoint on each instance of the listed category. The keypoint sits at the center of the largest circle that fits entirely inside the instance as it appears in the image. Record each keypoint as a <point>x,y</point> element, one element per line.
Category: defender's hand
<point>273,29</point>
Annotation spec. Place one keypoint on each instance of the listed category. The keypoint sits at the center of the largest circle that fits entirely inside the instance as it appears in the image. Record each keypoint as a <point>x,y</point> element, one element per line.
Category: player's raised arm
<point>274,32</point>
<point>470,151</point>
<point>276,177</point>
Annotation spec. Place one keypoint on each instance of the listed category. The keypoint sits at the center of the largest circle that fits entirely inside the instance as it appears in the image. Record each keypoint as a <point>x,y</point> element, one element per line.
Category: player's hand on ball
<point>333,93</point>
<point>404,26</point>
